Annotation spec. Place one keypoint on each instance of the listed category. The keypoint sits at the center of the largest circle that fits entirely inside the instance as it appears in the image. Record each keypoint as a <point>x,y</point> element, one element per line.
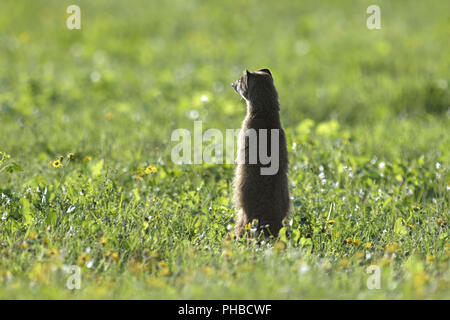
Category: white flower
<point>303,268</point>
<point>193,114</point>
<point>441,83</point>
<point>95,76</point>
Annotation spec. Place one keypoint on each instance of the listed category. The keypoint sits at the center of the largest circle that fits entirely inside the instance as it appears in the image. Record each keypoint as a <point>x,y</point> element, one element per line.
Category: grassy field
<point>366,113</point>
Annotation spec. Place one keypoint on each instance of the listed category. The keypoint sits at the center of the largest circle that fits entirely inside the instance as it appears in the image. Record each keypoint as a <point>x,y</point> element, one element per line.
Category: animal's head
<point>254,85</point>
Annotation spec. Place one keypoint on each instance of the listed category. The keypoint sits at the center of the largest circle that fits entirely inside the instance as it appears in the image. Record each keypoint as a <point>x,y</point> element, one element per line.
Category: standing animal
<point>261,190</point>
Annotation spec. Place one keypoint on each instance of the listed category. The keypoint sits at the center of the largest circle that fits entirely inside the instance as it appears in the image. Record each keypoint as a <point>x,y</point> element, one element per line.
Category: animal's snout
<point>235,86</point>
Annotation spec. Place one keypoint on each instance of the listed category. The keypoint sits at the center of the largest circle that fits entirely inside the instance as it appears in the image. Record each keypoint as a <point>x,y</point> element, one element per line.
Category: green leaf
<point>96,168</point>
<point>400,228</point>
<point>136,194</point>
<point>11,168</point>
<point>27,217</point>
<point>305,242</point>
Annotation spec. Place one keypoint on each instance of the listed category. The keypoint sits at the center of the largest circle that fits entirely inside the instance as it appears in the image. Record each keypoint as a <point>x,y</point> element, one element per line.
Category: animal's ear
<point>266,71</point>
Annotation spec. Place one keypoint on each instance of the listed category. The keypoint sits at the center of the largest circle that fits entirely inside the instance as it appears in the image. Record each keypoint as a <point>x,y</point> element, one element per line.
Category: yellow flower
<point>154,256</point>
<point>150,169</point>
<point>165,271</point>
<point>103,241</point>
<point>32,235</point>
<point>109,116</point>
<point>207,270</point>
<point>71,156</point>
<point>156,282</point>
<point>331,221</point>
<point>430,258</point>
<point>280,245</point>
<point>385,261</point>
<point>115,256</point>
<point>440,221</point>
<point>326,265</point>
<point>356,241</point>
<point>344,262</point>
<point>228,253</point>
<point>87,158</point>
<point>245,268</point>
<point>136,268</point>
<point>391,248</point>
<point>367,245</point>
<point>82,259</point>
<point>229,236</point>
<point>420,279</point>
<point>56,164</point>
<point>24,245</point>
<point>24,37</point>
<point>349,240</point>
<point>52,252</point>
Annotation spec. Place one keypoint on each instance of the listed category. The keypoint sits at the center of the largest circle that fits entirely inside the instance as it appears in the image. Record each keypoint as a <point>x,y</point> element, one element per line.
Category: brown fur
<point>256,196</point>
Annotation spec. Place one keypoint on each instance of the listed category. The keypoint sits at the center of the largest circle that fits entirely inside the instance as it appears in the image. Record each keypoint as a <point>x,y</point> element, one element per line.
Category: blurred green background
<point>148,62</point>
<point>367,109</point>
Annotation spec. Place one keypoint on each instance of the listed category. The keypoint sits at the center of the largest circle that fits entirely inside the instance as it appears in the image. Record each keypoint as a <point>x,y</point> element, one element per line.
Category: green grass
<point>366,115</point>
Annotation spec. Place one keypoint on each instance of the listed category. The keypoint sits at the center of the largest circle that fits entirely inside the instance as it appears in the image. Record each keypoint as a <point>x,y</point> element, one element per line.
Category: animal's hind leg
<point>240,224</point>
<point>270,227</point>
